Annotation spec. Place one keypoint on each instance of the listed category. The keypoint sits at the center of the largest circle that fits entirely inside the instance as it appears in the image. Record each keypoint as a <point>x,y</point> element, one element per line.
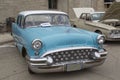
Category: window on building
<point>108,3</point>
<point>52,4</point>
<point>109,0</point>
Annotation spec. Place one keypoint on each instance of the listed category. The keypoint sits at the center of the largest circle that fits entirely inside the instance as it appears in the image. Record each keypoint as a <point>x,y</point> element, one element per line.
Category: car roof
<point>25,13</point>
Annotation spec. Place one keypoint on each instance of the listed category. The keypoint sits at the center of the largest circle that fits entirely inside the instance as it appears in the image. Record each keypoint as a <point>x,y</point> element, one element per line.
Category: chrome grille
<point>72,55</point>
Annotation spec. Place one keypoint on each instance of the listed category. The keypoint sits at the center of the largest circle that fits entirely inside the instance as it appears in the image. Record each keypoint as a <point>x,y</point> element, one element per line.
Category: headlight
<point>101,39</point>
<point>114,34</point>
<point>36,44</point>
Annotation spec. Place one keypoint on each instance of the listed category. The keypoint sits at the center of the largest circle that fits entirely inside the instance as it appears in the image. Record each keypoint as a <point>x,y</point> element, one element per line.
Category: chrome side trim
<point>71,48</point>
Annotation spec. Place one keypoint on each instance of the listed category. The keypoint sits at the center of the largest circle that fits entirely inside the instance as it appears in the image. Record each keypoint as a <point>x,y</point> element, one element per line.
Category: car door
<point>88,23</point>
<point>17,29</point>
<point>85,21</point>
<point>82,21</point>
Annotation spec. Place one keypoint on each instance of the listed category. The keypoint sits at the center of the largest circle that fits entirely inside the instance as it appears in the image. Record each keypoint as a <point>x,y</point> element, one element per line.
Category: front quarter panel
<point>20,37</point>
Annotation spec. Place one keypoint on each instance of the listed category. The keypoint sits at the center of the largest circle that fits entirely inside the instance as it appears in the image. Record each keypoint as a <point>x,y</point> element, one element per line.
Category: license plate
<point>73,67</point>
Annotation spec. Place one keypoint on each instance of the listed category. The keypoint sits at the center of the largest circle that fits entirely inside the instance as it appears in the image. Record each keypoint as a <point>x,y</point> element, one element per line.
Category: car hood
<point>113,12</point>
<point>100,25</point>
<point>60,37</point>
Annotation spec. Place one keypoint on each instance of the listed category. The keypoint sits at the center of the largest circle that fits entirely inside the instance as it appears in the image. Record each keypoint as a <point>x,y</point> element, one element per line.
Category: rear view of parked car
<point>49,43</point>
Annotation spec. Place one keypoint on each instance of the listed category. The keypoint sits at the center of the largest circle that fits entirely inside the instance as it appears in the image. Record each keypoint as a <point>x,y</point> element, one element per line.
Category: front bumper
<point>41,65</point>
<point>113,39</point>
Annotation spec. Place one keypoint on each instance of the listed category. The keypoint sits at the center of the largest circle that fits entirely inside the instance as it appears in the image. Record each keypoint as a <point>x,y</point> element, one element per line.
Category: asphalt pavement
<point>5,38</point>
<point>14,67</point>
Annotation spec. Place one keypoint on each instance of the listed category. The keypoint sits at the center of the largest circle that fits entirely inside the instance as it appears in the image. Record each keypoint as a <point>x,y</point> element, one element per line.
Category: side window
<point>88,17</point>
<point>20,20</point>
<point>83,16</point>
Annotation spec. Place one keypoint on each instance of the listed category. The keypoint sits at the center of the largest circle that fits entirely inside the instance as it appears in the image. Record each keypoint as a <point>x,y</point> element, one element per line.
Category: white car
<point>107,24</point>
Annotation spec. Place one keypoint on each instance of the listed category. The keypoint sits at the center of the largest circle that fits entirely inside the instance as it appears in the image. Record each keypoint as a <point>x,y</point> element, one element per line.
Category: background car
<point>92,16</point>
<point>108,25</point>
<point>50,44</point>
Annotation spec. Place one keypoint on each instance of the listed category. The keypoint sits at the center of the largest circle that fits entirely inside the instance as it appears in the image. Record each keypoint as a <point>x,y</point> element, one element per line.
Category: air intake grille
<point>72,55</point>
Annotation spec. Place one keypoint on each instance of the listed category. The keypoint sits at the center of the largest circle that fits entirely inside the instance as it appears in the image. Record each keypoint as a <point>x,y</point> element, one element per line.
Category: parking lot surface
<point>14,67</point>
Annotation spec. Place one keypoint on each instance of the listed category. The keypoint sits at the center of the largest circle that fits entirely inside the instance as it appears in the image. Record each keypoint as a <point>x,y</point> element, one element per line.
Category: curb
<point>1,43</point>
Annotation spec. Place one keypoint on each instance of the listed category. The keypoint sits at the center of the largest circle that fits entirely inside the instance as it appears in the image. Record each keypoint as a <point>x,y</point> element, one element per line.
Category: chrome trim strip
<point>64,49</point>
<point>103,53</point>
<point>100,36</point>
<point>38,59</point>
<point>38,64</point>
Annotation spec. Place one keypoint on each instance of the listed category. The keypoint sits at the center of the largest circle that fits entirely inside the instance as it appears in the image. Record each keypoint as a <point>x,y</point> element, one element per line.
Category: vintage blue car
<point>50,44</point>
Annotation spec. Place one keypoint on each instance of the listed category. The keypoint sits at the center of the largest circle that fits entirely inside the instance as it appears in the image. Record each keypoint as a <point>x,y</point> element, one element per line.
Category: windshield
<point>97,16</point>
<point>47,19</point>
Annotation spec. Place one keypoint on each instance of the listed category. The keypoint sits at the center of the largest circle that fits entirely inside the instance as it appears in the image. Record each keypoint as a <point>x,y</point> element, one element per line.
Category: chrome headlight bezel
<point>36,44</point>
<point>100,39</point>
<point>114,34</point>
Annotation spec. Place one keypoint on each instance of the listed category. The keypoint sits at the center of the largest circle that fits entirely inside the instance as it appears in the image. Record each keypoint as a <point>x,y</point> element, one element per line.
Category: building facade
<point>10,8</point>
<point>98,5</point>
